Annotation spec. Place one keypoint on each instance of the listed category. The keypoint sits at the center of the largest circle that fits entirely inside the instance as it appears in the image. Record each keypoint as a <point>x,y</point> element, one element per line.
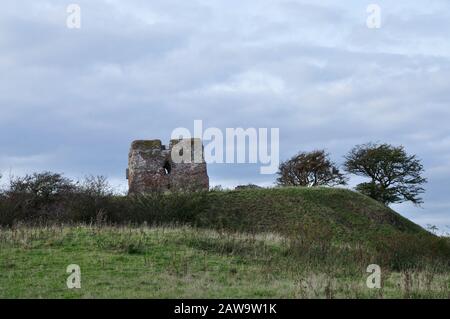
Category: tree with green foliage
<point>395,176</point>
<point>310,169</point>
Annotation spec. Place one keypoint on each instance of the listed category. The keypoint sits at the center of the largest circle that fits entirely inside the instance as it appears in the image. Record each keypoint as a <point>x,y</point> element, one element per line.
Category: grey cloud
<point>72,100</point>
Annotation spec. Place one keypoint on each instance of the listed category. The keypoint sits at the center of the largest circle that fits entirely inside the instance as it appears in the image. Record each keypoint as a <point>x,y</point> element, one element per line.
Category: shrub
<point>45,197</point>
<point>37,196</point>
<point>48,197</point>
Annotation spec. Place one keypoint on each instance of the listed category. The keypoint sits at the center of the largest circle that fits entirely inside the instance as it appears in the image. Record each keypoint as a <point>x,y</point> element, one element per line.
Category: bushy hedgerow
<point>50,197</point>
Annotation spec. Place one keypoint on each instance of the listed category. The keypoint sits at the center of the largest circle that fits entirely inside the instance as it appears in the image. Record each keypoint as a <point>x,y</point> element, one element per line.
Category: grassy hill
<point>182,262</point>
<point>280,243</point>
<point>348,214</point>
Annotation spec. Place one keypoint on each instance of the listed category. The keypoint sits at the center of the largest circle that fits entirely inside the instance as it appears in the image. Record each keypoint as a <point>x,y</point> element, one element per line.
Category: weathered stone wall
<point>151,167</point>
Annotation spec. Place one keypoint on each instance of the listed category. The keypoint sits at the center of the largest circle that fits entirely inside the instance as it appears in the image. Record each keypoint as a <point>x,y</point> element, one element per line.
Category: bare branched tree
<point>310,169</point>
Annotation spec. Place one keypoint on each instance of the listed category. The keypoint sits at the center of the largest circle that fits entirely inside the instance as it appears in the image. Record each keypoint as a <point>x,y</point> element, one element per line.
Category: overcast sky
<point>72,100</point>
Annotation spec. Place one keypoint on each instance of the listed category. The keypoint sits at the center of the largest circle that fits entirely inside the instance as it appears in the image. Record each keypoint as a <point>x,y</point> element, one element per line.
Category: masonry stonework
<point>152,168</point>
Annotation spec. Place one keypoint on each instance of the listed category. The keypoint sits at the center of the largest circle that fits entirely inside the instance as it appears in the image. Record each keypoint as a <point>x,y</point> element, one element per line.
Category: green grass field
<point>189,263</point>
<point>270,243</point>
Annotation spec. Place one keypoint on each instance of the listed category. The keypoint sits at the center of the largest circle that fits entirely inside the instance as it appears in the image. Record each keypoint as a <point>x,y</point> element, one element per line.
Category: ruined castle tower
<point>154,167</point>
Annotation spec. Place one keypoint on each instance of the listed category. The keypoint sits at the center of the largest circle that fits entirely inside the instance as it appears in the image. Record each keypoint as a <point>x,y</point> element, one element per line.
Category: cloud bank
<point>72,100</point>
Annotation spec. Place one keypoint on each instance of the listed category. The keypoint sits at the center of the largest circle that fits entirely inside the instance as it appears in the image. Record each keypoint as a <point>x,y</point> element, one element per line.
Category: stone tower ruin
<point>152,167</point>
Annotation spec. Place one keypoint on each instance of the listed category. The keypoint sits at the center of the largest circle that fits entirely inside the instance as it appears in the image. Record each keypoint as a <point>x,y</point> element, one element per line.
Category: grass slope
<point>274,243</point>
<point>349,214</point>
<point>188,263</point>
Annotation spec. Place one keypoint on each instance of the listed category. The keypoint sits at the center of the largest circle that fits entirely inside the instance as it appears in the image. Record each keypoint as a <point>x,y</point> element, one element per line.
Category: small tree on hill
<point>310,169</point>
<point>395,176</point>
